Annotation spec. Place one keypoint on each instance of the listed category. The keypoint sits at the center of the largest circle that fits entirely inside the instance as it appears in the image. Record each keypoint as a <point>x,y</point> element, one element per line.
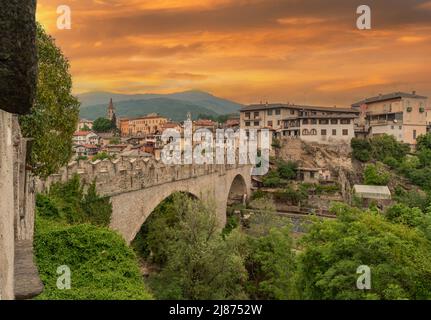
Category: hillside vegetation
<point>71,230</point>
<point>174,106</point>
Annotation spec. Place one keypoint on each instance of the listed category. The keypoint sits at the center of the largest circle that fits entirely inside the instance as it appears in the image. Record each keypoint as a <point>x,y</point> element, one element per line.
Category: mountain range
<point>174,106</point>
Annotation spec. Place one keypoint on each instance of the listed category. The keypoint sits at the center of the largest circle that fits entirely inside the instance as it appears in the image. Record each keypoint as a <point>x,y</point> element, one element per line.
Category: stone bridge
<point>137,186</point>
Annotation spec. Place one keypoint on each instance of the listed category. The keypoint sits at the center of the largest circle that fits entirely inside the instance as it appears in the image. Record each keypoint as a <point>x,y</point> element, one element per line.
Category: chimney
<point>414,92</point>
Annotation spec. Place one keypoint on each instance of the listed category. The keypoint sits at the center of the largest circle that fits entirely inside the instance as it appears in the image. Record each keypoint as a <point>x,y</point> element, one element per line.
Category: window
<point>305,121</point>
<point>247,115</point>
<point>292,111</point>
<point>256,115</point>
<point>269,112</point>
<point>414,134</point>
<point>313,132</point>
<point>247,123</point>
<point>305,132</point>
<point>278,122</point>
<point>277,112</point>
<point>345,132</point>
<point>323,132</point>
<point>269,123</point>
<point>323,121</point>
<point>334,132</point>
<point>334,121</point>
<point>256,123</point>
<point>313,121</point>
<point>345,121</point>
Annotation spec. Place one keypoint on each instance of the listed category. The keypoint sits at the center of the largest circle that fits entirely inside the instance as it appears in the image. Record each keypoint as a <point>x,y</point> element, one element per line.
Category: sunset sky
<point>302,51</point>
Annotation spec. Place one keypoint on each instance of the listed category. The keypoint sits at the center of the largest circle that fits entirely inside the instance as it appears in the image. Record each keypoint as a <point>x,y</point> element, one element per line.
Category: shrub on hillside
<point>375,174</point>
<point>361,149</point>
<point>102,266</point>
<point>68,202</point>
<point>399,258</point>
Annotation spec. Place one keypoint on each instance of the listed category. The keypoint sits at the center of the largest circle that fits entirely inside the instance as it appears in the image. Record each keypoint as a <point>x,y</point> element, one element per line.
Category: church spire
<point>111,110</point>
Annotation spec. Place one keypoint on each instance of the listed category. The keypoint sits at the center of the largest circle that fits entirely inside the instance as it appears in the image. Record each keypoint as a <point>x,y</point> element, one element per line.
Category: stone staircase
<point>27,281</point>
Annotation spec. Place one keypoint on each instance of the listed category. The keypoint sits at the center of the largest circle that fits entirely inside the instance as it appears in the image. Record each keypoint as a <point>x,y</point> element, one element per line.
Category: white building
<point>85,137</point>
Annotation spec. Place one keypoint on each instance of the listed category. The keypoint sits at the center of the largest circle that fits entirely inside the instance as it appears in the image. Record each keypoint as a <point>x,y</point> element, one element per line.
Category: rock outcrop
<point>18,58</point>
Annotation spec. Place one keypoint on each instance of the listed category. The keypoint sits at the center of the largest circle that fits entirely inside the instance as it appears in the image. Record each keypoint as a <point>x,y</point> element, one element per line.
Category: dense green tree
<point>271,266</point>
<point>287,170</point>
<point>424,142</point>
<point>54,116</point>
<point>361,149</point>
<point>387,146</point>
<point>197,261</point>
<point>399,258</point>
<point>103,125</point>
<point>273,180</point>
<point>375,174</point>
<point>103,266</point>
<point>400,213</point>
<point>69,203</point>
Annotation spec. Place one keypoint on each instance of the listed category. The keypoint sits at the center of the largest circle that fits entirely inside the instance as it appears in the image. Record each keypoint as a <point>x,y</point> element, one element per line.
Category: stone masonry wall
<point>7,240</point>
<point>119,176</point>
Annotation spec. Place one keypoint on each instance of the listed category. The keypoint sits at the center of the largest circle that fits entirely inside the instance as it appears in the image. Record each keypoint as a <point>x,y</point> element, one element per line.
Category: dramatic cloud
<point>247,50</point>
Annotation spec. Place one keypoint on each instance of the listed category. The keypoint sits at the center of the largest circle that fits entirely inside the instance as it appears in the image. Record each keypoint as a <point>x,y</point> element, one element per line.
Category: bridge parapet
<point>119,176</point>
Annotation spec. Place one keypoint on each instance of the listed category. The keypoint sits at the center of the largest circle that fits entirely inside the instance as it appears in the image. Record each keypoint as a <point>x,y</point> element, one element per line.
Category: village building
<point>204,124</point>
<point>309,123</point>
<point>106,138</point>
<point>115,149</point>
<point>141,126</point>
<point>173,126</point>
<point>314,175</point>
<point>379,195</point>
<point>85,137</point>
<point>233,122</point>
<point>85,150</point>
<point>84,125</point>
<point>402,115</point>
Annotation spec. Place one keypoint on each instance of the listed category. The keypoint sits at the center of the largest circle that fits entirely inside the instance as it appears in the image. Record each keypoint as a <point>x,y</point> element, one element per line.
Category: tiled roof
<point>82,133</point>
<point>389,96</point>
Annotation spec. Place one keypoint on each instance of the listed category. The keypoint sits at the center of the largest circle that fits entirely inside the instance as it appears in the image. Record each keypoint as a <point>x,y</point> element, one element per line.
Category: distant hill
<point>174,106</point>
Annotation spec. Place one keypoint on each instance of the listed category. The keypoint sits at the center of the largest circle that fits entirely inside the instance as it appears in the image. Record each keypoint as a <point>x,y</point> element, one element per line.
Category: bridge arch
<point>238,191</point>
<point>132,208</point>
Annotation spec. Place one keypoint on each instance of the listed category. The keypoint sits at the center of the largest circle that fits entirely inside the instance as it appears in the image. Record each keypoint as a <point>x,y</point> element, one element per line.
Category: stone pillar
<point>7,237</point>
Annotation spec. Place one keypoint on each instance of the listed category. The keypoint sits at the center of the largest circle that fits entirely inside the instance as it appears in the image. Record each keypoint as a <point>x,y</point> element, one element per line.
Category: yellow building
<point>402,115</point>
<point>141,126</point>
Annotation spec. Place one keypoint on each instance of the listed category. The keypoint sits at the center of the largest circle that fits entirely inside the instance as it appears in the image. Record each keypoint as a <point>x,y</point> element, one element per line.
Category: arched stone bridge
<point>137,187</point>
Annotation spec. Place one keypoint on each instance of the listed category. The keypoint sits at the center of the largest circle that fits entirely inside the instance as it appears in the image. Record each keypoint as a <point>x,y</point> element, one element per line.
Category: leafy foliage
<point>67,202</point>
<point>271,266</point>
<point>361,149</point>
<point>399,258</point>
<point>197,262</point>
<point>103,125</point>
<point>287,170</point>
<point>375,174</point>
<point>102,266</point>
<point>54,116</point>
<point>102,156</point>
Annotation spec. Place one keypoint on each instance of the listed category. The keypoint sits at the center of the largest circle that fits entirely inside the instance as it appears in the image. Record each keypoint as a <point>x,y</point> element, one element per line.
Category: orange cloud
<point>246,50</point>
